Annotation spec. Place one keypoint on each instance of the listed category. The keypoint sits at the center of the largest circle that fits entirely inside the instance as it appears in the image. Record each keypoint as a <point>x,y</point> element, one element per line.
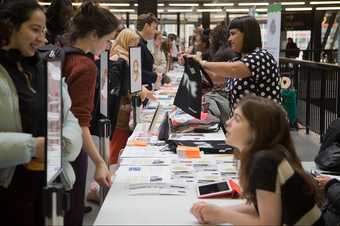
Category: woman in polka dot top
<point>255,72</point>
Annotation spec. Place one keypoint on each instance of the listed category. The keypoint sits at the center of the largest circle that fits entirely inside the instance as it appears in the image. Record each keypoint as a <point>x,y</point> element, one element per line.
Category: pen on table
<point>176,186</point>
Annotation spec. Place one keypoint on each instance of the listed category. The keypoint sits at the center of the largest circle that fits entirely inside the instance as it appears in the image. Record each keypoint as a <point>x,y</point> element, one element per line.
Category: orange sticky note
<point>139,143</point>
<point>188,151</point>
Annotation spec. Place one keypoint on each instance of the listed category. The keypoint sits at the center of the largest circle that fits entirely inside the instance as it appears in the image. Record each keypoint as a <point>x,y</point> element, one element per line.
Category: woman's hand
<point>322,181</point>
<point>145,93</point>
<point>103,175</point>
<point>40,149</point>
<point>207,213</point>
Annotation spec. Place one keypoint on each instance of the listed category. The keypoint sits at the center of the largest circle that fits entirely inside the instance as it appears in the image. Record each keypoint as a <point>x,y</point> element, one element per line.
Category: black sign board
<point>297,21</point>
<point>189,94</point>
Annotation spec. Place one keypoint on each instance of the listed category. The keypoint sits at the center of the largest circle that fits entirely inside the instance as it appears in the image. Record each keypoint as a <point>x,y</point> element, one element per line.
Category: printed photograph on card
<point>104,63</point>
<point>54,126</point>
<point>135,69</point>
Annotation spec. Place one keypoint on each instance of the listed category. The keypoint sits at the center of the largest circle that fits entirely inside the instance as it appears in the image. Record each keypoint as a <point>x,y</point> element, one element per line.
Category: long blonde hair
<point>121,44</point>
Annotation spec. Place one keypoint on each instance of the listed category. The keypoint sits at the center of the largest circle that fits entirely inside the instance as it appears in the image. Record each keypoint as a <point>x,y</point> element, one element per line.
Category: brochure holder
<point>104,123</point>
<point>54,196</point>
<point>104,140</point>
<point>135,81</point>
<point>189,94</point>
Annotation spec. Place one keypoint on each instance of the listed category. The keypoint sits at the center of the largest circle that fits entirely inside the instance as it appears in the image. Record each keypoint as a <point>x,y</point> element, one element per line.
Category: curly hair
<point>219,36</point>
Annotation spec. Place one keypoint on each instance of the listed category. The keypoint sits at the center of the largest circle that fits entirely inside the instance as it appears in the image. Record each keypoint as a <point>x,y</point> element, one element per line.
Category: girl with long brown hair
<point>273,182</point>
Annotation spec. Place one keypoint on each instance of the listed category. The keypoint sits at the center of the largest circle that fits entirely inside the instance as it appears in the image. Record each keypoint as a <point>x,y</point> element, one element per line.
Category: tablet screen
<point>213,188</point>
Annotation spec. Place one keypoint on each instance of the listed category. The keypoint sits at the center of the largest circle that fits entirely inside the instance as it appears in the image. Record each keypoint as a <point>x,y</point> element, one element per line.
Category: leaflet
<point>145,161</point>
<point>157,189</point>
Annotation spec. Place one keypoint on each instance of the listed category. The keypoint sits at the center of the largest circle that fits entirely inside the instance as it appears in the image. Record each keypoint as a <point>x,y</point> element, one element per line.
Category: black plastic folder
<point>189,94</point>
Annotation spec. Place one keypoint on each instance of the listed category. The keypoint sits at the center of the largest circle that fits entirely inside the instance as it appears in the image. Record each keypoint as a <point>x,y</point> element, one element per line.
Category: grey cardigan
<point>18,148</point>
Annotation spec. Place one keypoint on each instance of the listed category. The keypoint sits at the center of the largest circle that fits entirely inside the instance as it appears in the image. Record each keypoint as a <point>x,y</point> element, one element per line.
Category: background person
<point>276,187</point>
<point>218,98</point>
<point>292,51</point>
<point>146,28</point>
<point>256,72</point>
<point>91,30</point>
<point>120,72</point>
<point>159,65</point>
<point>202,45</point>
<point>59,16</point>
<point>219,48</point>
<point>331,209</point>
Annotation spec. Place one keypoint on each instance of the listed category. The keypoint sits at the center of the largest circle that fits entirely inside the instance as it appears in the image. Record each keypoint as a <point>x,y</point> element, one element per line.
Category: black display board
<point>189,94</point>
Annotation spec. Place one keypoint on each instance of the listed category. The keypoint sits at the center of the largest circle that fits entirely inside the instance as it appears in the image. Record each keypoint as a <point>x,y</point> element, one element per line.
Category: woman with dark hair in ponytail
<point>91,30</point>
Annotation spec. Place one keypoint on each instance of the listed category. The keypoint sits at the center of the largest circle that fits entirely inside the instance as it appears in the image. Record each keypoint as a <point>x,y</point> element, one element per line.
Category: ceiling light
<point>219,16</point>
<point>122,10</point>
<point>159,4</point>
<point>299,9</point>
<point>179,10</point>
<point>324,2</point>
<point>237,15</point>
<point>327,8</point>
<point>253,3</point>
<point>209,10</point>
<point>262,10</point>
<point>293,3</point>
<point>237,10</point>
<point>76,3</point>
<point>183,4</point>
<point>160,10</point>
<point>44,3</point>
<point>114,4</point>
<point>218,4</point>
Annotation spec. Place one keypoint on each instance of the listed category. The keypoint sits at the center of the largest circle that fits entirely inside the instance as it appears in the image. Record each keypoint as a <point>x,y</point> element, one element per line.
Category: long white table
<point>121,208</point>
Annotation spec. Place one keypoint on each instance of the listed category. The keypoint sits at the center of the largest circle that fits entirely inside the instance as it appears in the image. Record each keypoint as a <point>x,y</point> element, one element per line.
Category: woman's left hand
<point>207,213</point>
<point>103,175</point>
<point>145,93</point>
<point>322,181</point>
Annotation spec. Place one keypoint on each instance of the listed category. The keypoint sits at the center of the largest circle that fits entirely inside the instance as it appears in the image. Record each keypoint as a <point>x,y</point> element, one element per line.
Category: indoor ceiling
<point>214,6</point>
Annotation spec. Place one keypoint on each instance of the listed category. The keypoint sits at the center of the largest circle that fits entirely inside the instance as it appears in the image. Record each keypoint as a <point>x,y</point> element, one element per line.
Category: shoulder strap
<point>50,52</point>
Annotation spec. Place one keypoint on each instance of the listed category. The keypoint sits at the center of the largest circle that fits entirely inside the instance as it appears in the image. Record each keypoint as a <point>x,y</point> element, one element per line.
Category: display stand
<point>104,123</point>
<point>55,200</point>
<point>104,139</point>
<point>135,81</point>
<point>136,103</point>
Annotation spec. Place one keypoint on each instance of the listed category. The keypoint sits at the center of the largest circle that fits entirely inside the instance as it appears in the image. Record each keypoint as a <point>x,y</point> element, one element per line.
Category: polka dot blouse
<point>264,80</point>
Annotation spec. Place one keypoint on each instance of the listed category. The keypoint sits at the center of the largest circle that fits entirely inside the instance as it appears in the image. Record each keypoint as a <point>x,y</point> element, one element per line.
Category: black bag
<point>118,86</point>
<point>329,159</point>
<point>55,52</point>
<point>329,153</point>
<point>189,94</point>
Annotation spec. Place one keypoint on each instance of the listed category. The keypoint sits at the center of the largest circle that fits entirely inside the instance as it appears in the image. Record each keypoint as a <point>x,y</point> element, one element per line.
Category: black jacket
<point>331,210</point>
<point>223,54</point>
<point>117,87</point>
<point>148,76</point>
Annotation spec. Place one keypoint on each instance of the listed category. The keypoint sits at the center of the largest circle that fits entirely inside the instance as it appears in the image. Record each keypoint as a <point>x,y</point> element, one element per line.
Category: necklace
<point>28,77</point>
